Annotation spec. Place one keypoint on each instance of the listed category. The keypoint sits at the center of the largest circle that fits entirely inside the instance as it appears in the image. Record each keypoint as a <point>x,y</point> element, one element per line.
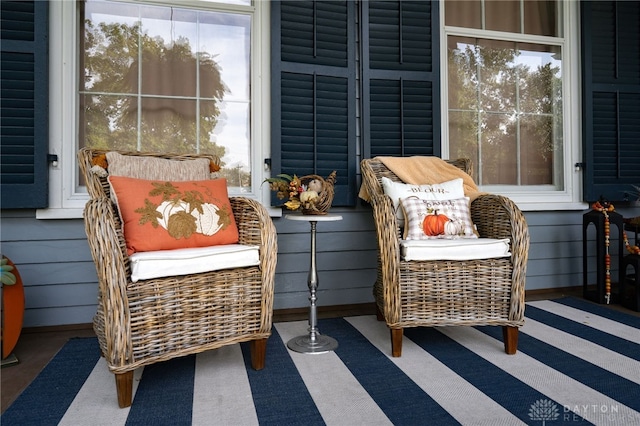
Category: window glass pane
<point>168,125</point>
<point>541,18</point>
<point>497,91</point>
<point>463,137</point>
<point>463,76</point>
<point>498,150</point>
<point>505,109</point>
<point>167,79</point>
<point>540,73</point>
<point>234,137</point>
<point>108,48</point>
<point>538,151</point>
<point>169,40</point>
<point>107,123</point>
<point>466,14</point>
<point>502,15</point>
<point>226,39</point>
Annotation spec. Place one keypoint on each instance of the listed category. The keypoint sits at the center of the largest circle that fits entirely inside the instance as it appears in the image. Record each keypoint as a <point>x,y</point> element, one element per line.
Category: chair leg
<point>124,387</point>
<point>396,342</point>
<point>258,353</point>
<point>510,336</point>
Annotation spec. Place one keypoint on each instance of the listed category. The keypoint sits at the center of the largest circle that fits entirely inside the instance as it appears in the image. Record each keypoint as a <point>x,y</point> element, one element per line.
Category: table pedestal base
<point>306,345</point>
<point>314,342</point>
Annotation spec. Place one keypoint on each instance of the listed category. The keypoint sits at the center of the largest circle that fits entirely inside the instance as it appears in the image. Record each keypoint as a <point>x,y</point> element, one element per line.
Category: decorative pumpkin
<point>211,219</point>
<point>315,185</point>
<point>177,220</point>
<point>307,196</point>
<point>181,225</point>
<point>453,227</point>
<point>12,306</point>
<point>169,208</point>
<point>433,224</point>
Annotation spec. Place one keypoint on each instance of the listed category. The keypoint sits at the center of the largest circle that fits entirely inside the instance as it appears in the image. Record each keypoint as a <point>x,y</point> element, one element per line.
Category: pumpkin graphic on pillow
<point>440,224</point>
<point>433,224</point>
<point>180,220</point>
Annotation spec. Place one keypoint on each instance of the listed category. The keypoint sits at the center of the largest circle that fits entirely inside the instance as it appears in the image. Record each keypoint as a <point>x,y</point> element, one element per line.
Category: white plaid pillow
<point>427,219</point>
<point>449,190</point>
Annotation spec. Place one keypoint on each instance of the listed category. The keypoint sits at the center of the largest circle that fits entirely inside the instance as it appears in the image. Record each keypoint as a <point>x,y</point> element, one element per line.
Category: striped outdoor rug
<point>577,363</point>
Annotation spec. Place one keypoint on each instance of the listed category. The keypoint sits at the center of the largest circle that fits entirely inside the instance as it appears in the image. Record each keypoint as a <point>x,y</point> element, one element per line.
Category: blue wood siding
<point>60,279</point>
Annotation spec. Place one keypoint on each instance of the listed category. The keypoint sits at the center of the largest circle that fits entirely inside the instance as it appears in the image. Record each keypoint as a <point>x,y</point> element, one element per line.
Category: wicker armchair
<point>446,292</point>
<point>158,319</point>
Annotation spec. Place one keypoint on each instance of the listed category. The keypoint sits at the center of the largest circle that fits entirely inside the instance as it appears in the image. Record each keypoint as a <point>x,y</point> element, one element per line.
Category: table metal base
<point>314,342</point>
<point>306,345</point>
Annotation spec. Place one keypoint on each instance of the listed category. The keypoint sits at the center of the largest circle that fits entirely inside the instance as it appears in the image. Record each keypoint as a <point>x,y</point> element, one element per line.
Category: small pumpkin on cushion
<point>99,165</point>
<point>100,160</point>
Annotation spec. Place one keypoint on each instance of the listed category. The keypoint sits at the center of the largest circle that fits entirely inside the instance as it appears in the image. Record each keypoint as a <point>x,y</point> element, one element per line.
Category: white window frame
<point>67,202</point>
<point>569,197</point>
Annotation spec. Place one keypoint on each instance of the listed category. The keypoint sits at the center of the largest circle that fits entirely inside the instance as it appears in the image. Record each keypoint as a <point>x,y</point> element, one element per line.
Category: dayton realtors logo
<point>544,410</point>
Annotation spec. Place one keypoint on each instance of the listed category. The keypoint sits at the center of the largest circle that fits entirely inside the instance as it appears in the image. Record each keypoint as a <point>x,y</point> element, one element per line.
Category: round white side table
<point>314,342</point>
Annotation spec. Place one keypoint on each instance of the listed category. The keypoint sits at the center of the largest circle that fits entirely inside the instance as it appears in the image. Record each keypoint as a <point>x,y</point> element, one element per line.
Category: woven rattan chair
<point>158,319</point>
<point>446,292</point>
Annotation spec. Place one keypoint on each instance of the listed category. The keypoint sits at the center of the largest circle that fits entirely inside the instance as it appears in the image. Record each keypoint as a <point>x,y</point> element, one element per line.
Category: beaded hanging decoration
<point>607,258</point>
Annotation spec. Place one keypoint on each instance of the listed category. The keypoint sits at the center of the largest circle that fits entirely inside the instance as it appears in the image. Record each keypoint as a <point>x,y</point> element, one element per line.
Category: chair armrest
<point>386,223</point>
<point>388,236</point>
<point>497,216</point>
<point>108,250</point>
<point>383,212</point>
<point>255,227</point>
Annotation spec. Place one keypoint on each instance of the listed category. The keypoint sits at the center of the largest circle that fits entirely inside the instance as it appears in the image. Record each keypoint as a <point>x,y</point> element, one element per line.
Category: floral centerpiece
<point>310,194</point>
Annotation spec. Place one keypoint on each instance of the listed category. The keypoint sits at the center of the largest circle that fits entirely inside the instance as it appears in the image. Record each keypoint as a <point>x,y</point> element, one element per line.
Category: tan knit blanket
<point>422,170</point>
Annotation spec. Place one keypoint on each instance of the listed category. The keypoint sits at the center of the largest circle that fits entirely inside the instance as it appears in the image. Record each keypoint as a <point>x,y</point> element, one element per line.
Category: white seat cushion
<point>454,249</point>
<point>165,263</point>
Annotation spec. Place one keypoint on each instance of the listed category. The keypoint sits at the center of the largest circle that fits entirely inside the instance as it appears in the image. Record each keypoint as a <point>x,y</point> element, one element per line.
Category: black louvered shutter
<point>24,100</point>
<point>611,96</point>
<point>314,92</point>
<point>401,112</point>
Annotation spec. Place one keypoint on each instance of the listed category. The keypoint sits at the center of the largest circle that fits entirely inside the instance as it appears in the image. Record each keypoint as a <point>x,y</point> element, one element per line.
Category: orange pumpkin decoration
<point>12,312</point>
<point>433,224</point>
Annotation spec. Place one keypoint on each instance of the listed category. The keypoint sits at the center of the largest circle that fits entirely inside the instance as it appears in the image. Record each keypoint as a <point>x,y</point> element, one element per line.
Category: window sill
<point>59,213</point>
<point>532,206</point>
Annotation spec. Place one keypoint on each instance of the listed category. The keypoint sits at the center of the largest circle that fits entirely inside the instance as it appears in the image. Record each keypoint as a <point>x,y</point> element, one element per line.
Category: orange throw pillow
<point>159,215</point>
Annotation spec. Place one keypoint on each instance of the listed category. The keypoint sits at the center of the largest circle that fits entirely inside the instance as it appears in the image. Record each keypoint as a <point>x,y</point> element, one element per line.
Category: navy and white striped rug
<point>577,363</point>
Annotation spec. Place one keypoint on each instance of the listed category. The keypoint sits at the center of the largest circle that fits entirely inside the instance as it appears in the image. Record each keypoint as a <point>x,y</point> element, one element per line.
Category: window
<point>508,77</point>
<point>160,77</point>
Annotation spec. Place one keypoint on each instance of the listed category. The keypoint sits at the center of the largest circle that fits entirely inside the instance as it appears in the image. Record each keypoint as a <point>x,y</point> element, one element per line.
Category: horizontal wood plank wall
<point>56,266</point>
<point>60,279</point>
